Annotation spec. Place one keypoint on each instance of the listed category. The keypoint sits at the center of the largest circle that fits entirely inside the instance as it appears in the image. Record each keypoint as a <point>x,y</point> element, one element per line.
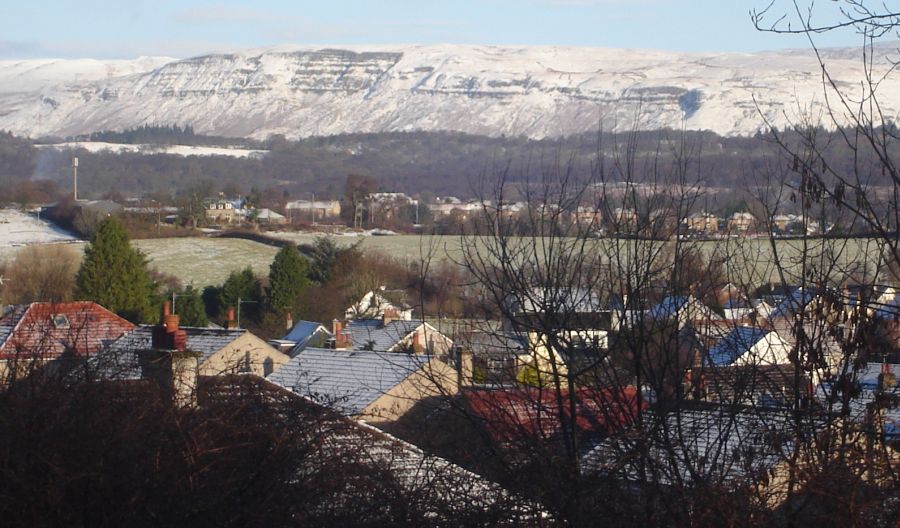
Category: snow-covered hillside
<point>532,91</point>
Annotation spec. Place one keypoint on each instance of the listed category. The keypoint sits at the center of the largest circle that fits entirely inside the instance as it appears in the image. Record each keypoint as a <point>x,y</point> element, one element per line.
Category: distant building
<point>741,222</point>
<point>702,222</point>
<point>223,211</point>
<point>313,209</point>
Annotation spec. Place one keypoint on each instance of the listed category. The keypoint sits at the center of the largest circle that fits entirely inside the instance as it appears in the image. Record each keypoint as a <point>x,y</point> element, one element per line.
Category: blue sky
<point>181,28</point>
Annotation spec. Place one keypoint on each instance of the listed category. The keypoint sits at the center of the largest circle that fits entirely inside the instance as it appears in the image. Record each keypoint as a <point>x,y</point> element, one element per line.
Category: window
<point>60,321</point>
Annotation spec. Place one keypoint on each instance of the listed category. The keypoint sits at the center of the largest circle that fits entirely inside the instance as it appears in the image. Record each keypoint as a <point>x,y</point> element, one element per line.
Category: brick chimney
<point>169,363</point>
<point>341,339</point>
<point>388,316</point>
<point>230,323</point>
<point>288,320</point>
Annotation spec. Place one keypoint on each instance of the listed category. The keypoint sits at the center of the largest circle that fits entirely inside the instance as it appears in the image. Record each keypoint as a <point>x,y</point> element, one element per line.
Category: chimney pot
<point>171,323</point>
<point>166,309</point>
<point>288,320</point>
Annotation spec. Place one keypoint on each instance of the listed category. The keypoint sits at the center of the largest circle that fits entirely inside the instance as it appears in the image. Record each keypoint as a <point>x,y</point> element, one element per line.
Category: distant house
<point>702,222</point>
<point>223,211</point>
<point>268,216</point>
<point>685,309</point>
<point>741,222</point>
<point>388,335</point>
<point>375,304</point>
<point>375,386</point>
<point>42,332</point>
<point>313,210</point>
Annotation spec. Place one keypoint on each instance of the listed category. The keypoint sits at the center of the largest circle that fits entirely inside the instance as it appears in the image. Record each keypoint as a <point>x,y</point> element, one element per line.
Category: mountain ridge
<point>531,91</point>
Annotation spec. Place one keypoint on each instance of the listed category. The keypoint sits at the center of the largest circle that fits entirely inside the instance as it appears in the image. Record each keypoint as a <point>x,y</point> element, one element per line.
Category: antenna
<point>75,177</point>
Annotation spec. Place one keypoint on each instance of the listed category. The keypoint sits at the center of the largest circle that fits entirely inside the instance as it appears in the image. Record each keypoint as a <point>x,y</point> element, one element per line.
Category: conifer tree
<point>114,275</point>
<point>288,277</point>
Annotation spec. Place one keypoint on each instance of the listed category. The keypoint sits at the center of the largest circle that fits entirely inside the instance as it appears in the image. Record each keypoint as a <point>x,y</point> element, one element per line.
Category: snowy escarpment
<point>531,91</point>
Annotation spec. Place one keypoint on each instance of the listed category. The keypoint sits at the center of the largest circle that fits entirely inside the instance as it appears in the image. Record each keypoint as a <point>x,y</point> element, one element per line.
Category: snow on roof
<point>347,380</point>
<point>121,361</point>
<point>735,344</point>
<point>371,334</point>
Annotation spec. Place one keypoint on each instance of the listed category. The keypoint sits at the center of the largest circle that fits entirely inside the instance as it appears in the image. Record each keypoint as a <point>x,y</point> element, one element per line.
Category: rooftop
<point>347,380</point>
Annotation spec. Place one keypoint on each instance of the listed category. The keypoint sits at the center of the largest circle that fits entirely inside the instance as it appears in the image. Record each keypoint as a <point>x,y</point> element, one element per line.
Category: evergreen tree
<point>324,254</point>
<point>244,286</point>
<point>190,308</point>
<point>288,277</point>
<point>114,275</point>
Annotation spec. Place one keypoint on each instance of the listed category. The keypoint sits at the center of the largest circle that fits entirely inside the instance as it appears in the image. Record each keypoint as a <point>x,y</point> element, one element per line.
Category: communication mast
<point>75,178</point>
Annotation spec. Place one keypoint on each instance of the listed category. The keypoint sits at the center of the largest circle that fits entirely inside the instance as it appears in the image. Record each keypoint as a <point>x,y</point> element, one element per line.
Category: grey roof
<point>121,360</point>
<point>347,380</point>
<point>709,444</point>
<point>370,334</point>
<point>302,332</point>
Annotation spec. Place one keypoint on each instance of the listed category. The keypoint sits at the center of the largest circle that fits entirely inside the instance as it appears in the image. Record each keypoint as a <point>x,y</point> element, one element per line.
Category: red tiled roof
<point>36,330</point>
<point>511,414</point>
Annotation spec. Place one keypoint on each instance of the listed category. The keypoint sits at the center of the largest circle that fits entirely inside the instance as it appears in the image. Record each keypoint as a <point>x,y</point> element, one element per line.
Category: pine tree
<point>190,308</point>
<point>241,286</point>
<point>288,277</point>
<point>114,275</point>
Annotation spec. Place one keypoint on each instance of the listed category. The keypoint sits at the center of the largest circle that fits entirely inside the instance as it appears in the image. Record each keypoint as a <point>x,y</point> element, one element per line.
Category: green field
<point>204,261</point>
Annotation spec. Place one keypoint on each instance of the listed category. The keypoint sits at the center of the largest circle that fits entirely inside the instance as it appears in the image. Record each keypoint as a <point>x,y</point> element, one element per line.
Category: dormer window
<point>60,321</point>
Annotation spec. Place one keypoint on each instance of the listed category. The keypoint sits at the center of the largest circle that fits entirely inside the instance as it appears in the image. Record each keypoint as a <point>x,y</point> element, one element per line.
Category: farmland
<point>205,261</point>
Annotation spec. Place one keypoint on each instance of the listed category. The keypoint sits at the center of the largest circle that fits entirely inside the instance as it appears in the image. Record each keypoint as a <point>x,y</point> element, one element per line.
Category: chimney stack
<point>230,324</point>
<point>169,362</point>
<point>388,316</point>
<point>288,320</point>
<point>340,338</point>
<point>464,367</point>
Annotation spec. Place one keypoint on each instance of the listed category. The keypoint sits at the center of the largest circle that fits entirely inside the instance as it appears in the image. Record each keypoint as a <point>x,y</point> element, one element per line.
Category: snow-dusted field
<point>19,229</point>
<point>174,150</point>
<point>205,261</point>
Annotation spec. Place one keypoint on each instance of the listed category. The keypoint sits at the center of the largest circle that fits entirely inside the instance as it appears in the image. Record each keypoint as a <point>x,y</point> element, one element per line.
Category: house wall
<point>432,342</point>
<point>234,358</point>
<point>435,378</point>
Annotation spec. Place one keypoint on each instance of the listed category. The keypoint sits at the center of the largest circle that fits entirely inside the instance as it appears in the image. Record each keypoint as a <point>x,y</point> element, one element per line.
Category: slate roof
<point>710,444</point>
<point>735,344</point>
<point>576,300</point>
<point>121,360</point>
<point>865,391</point>
<point>301,333</point>
<point>794,303</point>
<point>50,329</point>
<point>370,334</point>
<point>672,306</point>
<point>347,380</point>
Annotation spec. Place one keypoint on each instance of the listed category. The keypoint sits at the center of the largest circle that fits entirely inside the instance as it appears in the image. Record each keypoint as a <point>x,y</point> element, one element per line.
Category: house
<point>313,210</point>
<point>301,335</point>
<point>391,335</point>
<point>42,332</point>
<point>563,328</point>
<point>375,386</point>
<point>223,211</point>
<point>873,382</point>
<point>741,222</point>
<point>219,351</point>
<point>706,444</point>
<point>375,304</point>
<point>268,216</point>
<point>685,309</point>
<point>747,345</point>
<point>702,222</point>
